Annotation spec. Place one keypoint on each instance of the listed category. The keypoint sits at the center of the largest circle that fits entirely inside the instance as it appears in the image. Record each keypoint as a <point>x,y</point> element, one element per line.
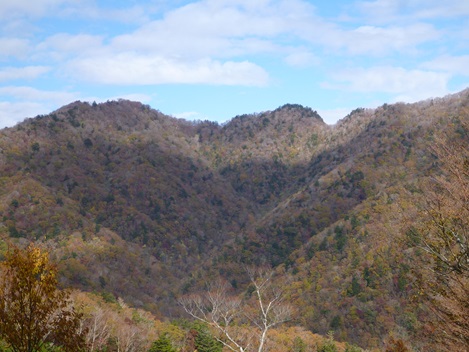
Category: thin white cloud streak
<point>456,65</point>
<point>378,40</point>
<point>62,47</point>
<point>302,59</point>
<point>380,8</point>
<point>28,72</point>
<point>21,8</point>
<point>32,94</point>
<point>131,69</point>
<point>10,9</point>
<point>19,102</point>
<point>454,8</point>
<point>66,43</point>
<point>12,113</point>
<point>371,40</point>
<point>388,11</point>
<point>405,85</point>
<point>13,47</point>
<point>131,15</point>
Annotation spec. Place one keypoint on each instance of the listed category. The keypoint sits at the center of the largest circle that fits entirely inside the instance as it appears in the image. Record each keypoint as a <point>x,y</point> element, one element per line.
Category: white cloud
<point>21,102</point>
<point>13,112</point>
<point>62,46</point>
<point>379,40</point>
<point>380,8</point>
<point>13,47</point>
<point>16,8</point>
<point>129,68</point>
<point>32,94</point>
<point>215,29</point>
<point>456,65</point>
<point>197,44</point>
<point>387,11</point>
<point>429,9</point>
<point>192,44</point>
<point>227,42</point>
<point>28,72</point>
<point>405,85</point>
<point>134,14</point>
<point>373,40</point>
<point>20,11</point>
<point>67,43</point>
<point>302,59</point>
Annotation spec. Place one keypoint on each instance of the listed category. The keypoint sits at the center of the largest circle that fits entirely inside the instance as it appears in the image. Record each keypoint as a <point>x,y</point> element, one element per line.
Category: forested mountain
<point>147,207</point>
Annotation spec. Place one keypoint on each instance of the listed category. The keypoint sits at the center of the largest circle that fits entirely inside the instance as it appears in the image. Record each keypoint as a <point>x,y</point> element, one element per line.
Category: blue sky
<point>215,59</point>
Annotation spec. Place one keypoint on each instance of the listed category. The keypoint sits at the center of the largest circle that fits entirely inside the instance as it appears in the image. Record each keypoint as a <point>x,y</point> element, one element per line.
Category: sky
<point>215,59</point>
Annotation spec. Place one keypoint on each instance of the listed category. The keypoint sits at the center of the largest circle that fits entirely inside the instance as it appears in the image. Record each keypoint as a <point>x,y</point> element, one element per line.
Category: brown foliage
<point>396,346</point>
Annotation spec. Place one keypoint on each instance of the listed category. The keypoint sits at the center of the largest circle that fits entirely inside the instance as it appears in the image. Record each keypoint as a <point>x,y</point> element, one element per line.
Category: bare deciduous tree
<point>442,231</point>
<point>99,329</point>
<point>224,312</point>
<point>129,338</point>
<point>272,310</point>
<point>447,210</point>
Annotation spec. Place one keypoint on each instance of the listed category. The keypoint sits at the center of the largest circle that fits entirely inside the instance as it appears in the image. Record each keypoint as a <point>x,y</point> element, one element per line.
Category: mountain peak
<point>300,110</point>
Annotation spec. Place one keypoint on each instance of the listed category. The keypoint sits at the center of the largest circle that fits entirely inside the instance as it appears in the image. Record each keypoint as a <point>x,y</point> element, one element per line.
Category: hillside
<point>146,207</point>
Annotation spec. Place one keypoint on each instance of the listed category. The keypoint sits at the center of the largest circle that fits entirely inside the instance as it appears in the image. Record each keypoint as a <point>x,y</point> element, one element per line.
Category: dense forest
<point>364,224</point>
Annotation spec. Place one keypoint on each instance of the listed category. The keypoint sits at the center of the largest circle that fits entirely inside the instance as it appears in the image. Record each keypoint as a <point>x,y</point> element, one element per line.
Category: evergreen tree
<point>328,345</point>
<point>163,344</point>
<point>299,345</point>
<point>205,342</point>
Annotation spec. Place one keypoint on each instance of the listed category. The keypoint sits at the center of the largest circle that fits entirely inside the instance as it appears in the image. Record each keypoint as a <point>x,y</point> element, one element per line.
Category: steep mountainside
<point>145,206</point>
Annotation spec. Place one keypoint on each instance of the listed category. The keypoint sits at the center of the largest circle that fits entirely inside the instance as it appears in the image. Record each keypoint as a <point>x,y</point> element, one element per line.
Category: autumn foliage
<point>442,232</point>
<point>33,311</point>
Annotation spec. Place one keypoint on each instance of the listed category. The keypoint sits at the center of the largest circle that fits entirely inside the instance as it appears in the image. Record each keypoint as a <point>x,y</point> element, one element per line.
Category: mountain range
<point>141,205</point>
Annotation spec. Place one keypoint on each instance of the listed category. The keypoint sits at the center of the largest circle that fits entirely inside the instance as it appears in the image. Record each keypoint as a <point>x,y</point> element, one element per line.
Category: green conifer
<point>163,344</point>
<point>204,341</point>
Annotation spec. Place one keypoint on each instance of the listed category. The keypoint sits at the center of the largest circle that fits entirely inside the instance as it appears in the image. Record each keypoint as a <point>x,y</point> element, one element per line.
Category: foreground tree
<point>442,232</point>
<point>225,312</point>
<point>33,311</point>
